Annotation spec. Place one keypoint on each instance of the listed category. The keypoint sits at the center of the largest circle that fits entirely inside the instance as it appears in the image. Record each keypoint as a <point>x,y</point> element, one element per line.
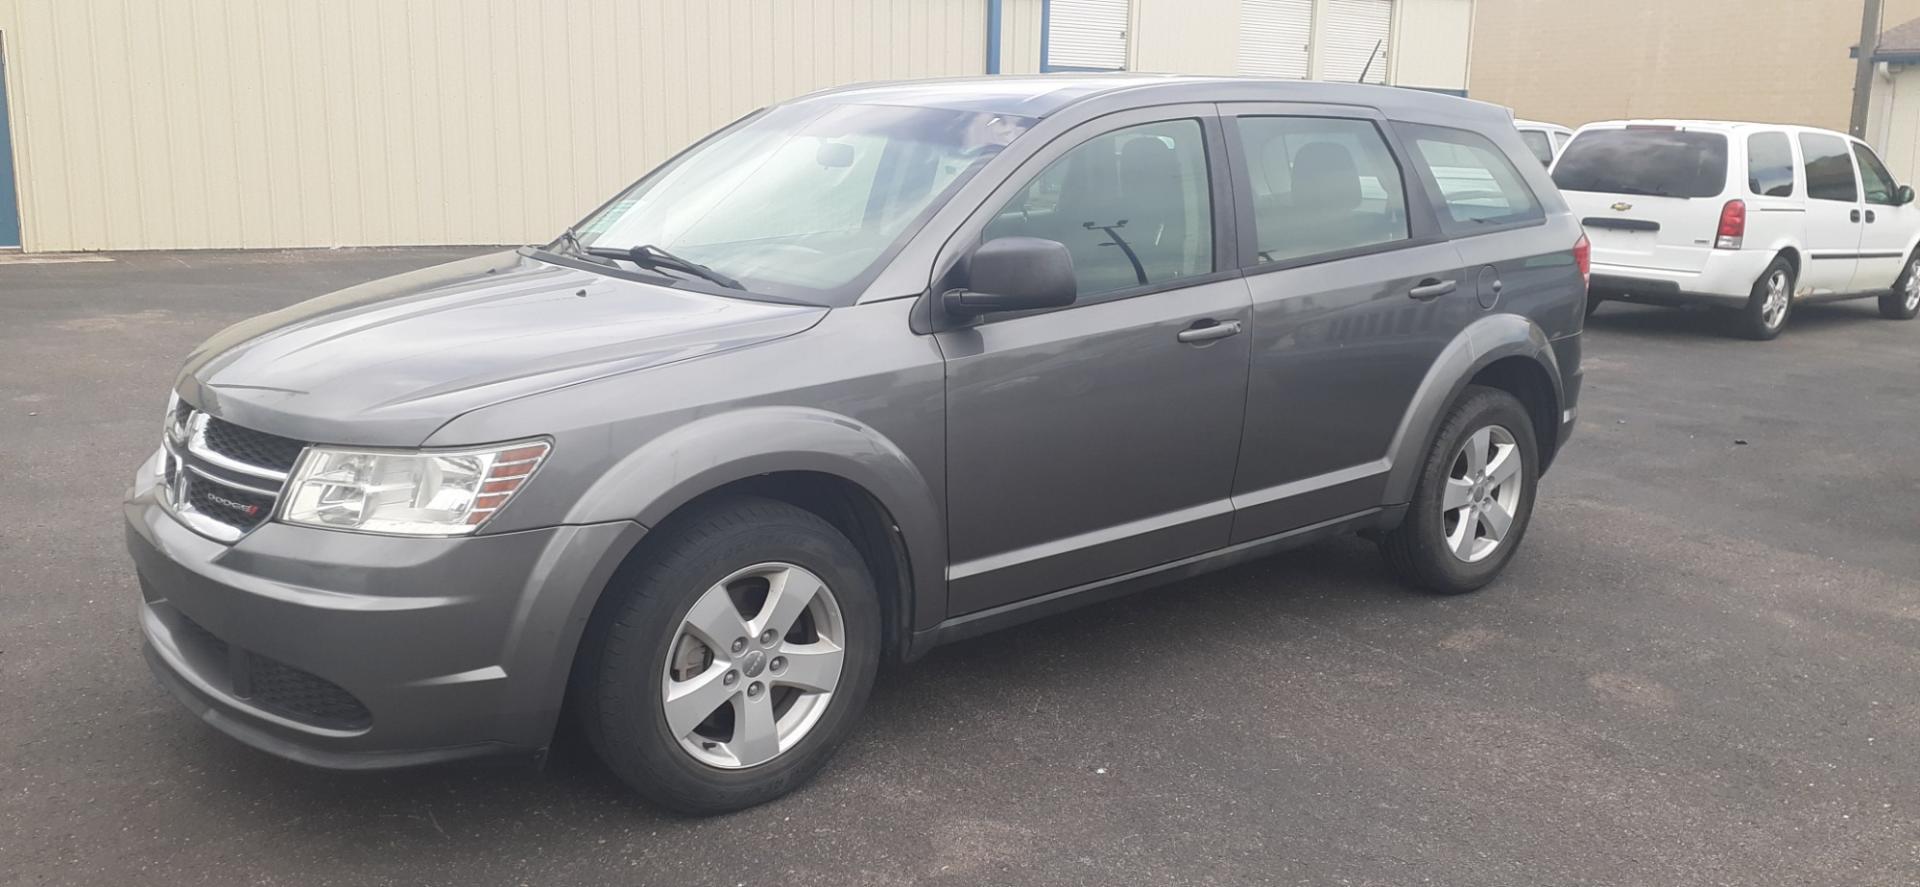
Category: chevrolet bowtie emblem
<point>1621,207</point>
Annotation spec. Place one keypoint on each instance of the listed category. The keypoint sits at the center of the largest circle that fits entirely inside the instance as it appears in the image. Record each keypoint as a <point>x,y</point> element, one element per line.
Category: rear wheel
<point>1473,500</point>
<point>1904,302</point>
<point>1770,303</point>
<point>735,660</point>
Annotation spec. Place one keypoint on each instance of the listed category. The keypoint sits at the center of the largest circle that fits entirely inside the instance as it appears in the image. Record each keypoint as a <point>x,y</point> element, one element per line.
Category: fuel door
<point>1490,286</point>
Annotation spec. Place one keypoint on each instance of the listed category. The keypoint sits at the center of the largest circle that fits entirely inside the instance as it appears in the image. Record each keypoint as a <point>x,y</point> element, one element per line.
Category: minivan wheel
<point>1904,302</point>
<point>1770,303</point>
<point>737,657</point>
<point>1475,495</point>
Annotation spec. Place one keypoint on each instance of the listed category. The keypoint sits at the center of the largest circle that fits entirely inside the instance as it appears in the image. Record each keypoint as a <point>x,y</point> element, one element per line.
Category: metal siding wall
<point>1087,34</point>
<point>1435,55</point>
<point>1354,32</point>
<point>1273,37</point>
<point>1020,36</point>
<point>1185,36</point>
<point>181,124</point>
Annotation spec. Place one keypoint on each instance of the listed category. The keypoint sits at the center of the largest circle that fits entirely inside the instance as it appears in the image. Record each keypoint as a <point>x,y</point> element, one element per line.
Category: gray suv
<point>864,373</point>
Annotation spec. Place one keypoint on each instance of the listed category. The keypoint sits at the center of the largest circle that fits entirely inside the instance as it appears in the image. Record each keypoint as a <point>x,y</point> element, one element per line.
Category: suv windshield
<point>1657,162</point>
<point>803,201</point>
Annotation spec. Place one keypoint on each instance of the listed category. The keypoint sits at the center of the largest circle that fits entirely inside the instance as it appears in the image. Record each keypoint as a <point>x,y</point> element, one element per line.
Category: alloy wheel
<point>1774,311</point>
<point>1913,286</point>
<point>1482,493</point>
<point>753,665</point>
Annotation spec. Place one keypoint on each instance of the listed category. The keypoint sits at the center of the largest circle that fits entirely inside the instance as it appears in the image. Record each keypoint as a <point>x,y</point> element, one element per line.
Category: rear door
<point>1355,293</point>
<point>1834,213</point>
<point>1650,196</point>
<point>1886,226</point>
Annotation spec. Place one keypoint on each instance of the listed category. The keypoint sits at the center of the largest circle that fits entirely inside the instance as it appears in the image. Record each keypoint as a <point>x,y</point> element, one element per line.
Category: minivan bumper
<point>1726,280</point>
<point>356,651</point>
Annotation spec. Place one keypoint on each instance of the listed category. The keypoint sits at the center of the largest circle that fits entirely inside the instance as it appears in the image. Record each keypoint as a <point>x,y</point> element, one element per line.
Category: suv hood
<point>388,362</point>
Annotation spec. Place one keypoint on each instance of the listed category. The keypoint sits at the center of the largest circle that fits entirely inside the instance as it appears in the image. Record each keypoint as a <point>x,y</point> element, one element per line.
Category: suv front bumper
<point>357,651</point>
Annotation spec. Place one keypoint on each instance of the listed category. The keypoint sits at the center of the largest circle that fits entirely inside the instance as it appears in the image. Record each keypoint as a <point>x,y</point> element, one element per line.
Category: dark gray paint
<point>1026,463</point>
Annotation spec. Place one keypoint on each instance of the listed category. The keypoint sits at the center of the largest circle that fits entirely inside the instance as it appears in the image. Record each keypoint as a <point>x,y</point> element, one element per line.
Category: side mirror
<point>1014,274</point>
<point>1903,195</point>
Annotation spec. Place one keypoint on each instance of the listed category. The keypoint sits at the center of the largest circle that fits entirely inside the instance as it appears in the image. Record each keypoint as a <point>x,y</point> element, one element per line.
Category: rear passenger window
<point>1770,164</point>
<point>1479,187</point>
<point>1829,169</point>
<point>1539,144</point>
<point>1321,185</point>
<point>1132,206</point>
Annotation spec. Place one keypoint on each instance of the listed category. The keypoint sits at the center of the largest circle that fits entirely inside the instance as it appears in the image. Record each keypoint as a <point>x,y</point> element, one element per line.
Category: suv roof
<point>1041,95</point>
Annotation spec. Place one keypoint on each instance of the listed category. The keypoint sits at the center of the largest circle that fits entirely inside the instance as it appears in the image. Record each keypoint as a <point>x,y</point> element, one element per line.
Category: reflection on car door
<point>1336,240</point>
<point>1833,214</point>
<point>1095,440</point>
<point>1885,228</point>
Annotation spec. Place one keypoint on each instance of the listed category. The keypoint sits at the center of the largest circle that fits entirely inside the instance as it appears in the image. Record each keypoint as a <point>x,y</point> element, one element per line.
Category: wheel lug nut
<point>731,678</point>
<point>739,644</point>
<point>768,637</point>
<point>778,664</point>
<point>754,688</point>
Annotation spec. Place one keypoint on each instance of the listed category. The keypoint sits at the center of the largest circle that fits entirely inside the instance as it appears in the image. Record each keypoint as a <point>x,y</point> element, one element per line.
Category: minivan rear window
<point>1655,162</point>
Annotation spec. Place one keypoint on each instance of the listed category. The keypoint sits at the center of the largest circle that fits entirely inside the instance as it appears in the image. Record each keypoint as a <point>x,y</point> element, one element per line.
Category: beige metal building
<point>181,124</point>
<point>1577,61</point>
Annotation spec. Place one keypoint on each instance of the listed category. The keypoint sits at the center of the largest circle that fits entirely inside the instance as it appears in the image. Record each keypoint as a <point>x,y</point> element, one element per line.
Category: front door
<point>9,198</point>
<point>1099,439</point>
<point>1885,226</point>
<point>1834,217</point>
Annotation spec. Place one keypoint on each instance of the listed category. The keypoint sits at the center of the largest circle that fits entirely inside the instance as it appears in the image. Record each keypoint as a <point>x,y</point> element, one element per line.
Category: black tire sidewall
<point>1893,305</point>
<point>1437,568</point>
<point>625,717</point>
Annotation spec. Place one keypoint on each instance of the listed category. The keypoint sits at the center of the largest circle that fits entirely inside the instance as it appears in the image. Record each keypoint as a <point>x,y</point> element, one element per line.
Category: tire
<point>1904,302</point>
<point>735,548</point>
<point>1422,551</point>
<point>1763,318</point>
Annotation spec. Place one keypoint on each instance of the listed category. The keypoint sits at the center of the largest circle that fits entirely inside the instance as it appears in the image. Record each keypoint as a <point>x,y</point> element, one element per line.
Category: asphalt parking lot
<point>1701,669</point>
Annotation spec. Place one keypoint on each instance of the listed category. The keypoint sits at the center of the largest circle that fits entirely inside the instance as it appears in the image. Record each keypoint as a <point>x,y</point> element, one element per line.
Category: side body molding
<point>1487,340</point>
<point>680,465</point>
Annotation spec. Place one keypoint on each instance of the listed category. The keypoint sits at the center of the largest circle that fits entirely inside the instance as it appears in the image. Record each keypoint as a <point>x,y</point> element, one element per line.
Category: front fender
<point>1487,340</point>
<point>673,469</point>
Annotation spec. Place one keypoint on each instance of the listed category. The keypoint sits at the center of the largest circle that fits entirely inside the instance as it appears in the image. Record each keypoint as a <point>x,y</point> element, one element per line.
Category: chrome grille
<point>221,479</point>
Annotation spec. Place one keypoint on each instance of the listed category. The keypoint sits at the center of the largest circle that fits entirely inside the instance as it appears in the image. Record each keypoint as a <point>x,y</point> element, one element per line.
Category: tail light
<point>1583,257</point>
<point>1733,225</point>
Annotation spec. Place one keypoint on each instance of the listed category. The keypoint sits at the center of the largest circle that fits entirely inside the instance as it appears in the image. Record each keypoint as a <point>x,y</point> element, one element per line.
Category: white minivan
<point>1754,217</point>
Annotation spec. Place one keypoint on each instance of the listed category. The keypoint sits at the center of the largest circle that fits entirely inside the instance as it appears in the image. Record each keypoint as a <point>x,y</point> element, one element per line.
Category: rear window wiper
<point>647,255</point>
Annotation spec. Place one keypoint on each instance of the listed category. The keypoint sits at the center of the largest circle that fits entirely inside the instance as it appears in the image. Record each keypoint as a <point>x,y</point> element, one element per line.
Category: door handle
<point>1869,217</point>
<point>1855,215</point>
<point>1432,289</point>
<point>1207,331</point>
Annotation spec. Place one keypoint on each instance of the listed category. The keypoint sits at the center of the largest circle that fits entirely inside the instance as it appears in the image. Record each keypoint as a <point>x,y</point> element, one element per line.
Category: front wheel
<point>1473,499</point>
<point>1770,302</point>
<point>736,657</point>
<point>1904,302</point>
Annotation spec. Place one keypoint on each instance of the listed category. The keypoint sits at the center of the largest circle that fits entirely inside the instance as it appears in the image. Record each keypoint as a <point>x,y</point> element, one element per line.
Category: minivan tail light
<point>1733,225</point>
<point>1583,257</point>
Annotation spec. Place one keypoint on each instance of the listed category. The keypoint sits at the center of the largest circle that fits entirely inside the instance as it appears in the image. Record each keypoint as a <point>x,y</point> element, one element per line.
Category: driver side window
<point>1874,178</point>
<point>1132,206</point>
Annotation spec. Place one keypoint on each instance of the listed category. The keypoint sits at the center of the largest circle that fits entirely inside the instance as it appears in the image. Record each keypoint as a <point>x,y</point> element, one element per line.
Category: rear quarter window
<point>1770,164</point>
<point>1478,188</point>
<point>1655,162</point>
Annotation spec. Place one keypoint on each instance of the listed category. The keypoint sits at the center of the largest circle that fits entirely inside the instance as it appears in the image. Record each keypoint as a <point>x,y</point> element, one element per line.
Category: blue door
<point>9,202</point>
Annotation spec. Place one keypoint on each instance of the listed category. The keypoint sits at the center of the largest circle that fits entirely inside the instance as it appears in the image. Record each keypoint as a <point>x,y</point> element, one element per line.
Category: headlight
<point>426,493</point>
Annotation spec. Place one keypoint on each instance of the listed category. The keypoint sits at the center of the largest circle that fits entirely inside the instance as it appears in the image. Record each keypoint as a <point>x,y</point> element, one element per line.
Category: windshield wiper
<point>572,241</point>
<point>647,255</point>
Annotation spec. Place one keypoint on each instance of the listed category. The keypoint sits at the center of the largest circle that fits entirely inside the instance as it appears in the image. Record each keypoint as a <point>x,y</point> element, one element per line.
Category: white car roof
<point>1536,124</point>
<point>1710,125</point>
